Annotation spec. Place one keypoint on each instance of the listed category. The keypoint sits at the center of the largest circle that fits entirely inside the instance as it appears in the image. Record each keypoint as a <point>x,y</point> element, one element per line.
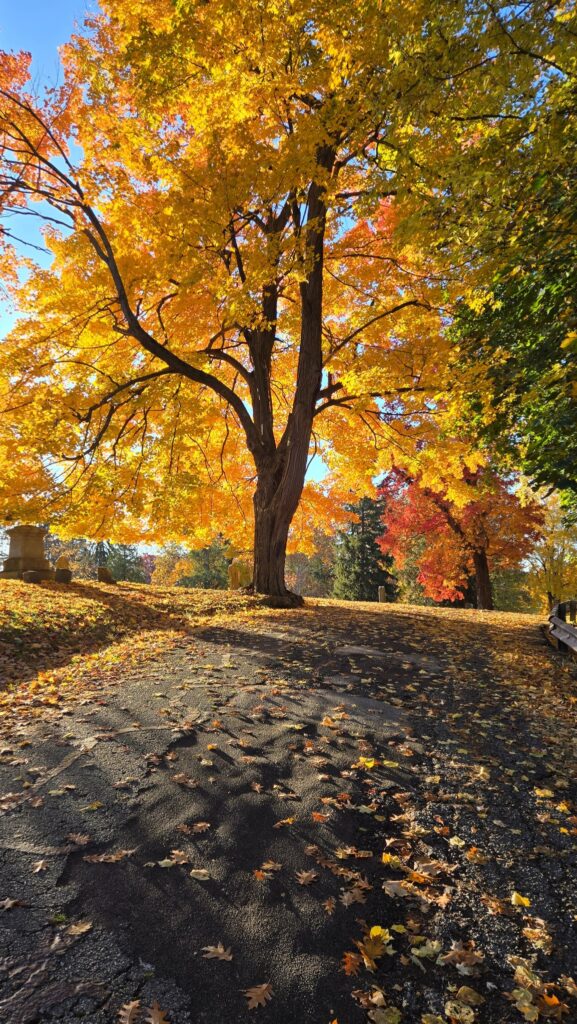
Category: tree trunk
<point>483,580</point>
<point>270,541</point>
<point>276,500</point>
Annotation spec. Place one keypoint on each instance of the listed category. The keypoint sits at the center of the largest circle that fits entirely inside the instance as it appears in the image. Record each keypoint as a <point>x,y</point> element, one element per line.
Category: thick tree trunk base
<point>483,581</point>
<point>286,600</point>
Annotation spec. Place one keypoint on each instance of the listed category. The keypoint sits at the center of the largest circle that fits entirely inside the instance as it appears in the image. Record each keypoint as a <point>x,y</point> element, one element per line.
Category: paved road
<point>427,736</point>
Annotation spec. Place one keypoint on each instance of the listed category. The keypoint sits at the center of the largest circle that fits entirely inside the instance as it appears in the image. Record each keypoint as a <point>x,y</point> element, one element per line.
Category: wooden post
<point>382,595</point>
<point>562,613</point>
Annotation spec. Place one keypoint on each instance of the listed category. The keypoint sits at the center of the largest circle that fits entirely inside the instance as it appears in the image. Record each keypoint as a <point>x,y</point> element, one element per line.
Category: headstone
<point>26,553</point>
<point>104,575</point>
<point>63,572</point>
<point>32,576</point>
<point>239,573</point>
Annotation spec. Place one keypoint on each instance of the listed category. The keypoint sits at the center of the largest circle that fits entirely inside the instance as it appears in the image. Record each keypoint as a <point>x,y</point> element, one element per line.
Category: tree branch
<point>374,320</point>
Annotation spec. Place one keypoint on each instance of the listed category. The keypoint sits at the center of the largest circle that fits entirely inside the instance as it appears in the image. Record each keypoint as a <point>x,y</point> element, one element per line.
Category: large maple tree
<point>224,295</point>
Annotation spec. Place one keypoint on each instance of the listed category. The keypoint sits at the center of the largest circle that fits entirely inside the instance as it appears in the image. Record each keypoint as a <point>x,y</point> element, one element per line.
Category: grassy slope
<point>57,641</point>
<point>43,627</point>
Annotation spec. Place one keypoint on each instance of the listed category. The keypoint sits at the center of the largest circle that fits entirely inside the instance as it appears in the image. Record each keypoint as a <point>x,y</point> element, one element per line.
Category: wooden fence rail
<point>561,632</point>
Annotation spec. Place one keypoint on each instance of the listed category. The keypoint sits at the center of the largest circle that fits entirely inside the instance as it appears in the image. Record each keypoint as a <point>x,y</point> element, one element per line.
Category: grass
<point>53,635</point>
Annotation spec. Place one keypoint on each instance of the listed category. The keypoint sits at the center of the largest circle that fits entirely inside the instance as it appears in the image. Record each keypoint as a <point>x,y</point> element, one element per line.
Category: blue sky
<point>40,27</point>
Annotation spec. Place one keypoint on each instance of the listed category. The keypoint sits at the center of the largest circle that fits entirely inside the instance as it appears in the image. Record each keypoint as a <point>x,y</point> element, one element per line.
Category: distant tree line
<point>404,539</point>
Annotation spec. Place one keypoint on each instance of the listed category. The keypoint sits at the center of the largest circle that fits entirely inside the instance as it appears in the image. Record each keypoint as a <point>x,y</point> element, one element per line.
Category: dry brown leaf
<point>470,996</point>
<point>109,858</point>
<point>258,995</point>
<point>476,857</point>
<point>351,964</point>
<point>353,895</point>
<point>80,928</point>
<point>184,780</point>
<point>395,889</point>
<point>179,857</point>
<point>217,952</point>
<point>155,1015</point>
<point>78,838</point>
<point>283,822</point>
<point>9,904</point>
<point>306,877</point>
<point>463,956</point>
<point>39,865</point>
<point>128,1014</point>
<point>330,905</point>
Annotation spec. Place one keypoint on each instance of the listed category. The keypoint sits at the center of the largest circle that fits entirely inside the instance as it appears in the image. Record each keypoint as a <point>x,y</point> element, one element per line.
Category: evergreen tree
<point>209,567</point>
<point>361,568</point>
<point>124,562</point>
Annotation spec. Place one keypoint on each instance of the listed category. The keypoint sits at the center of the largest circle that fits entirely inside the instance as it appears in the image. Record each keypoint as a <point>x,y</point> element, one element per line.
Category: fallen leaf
<point>388,1015</point>
<point>109,858</point>
<point>184,780</point>
<point>79,839</point>
<point>351,964</point>
<point>80,928</point>
<point>306,877</point>
<point>128,1014</point>
<point>258,995</point>
<point>180,857</point>
<point>155,1015</point>
<point>476,857</point>
<point>217,952</point>
<point>459,1012</point>
<point>469,996</point>
<point>456,841</point>
<point>9,904</point>
<point>463,956</point>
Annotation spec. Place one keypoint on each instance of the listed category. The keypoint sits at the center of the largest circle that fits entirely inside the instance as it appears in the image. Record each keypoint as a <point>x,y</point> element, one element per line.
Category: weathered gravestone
<point>239,573</point>
<point>104,575</point>
<point>26,554</point>
<point>63,573</point>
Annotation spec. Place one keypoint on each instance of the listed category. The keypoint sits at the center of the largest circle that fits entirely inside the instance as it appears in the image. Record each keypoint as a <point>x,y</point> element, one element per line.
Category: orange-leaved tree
<point>222,295</point>
<point>470,527</point>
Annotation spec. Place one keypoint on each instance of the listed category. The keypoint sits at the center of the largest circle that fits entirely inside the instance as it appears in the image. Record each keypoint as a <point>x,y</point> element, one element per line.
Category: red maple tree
<point>470,531</point>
